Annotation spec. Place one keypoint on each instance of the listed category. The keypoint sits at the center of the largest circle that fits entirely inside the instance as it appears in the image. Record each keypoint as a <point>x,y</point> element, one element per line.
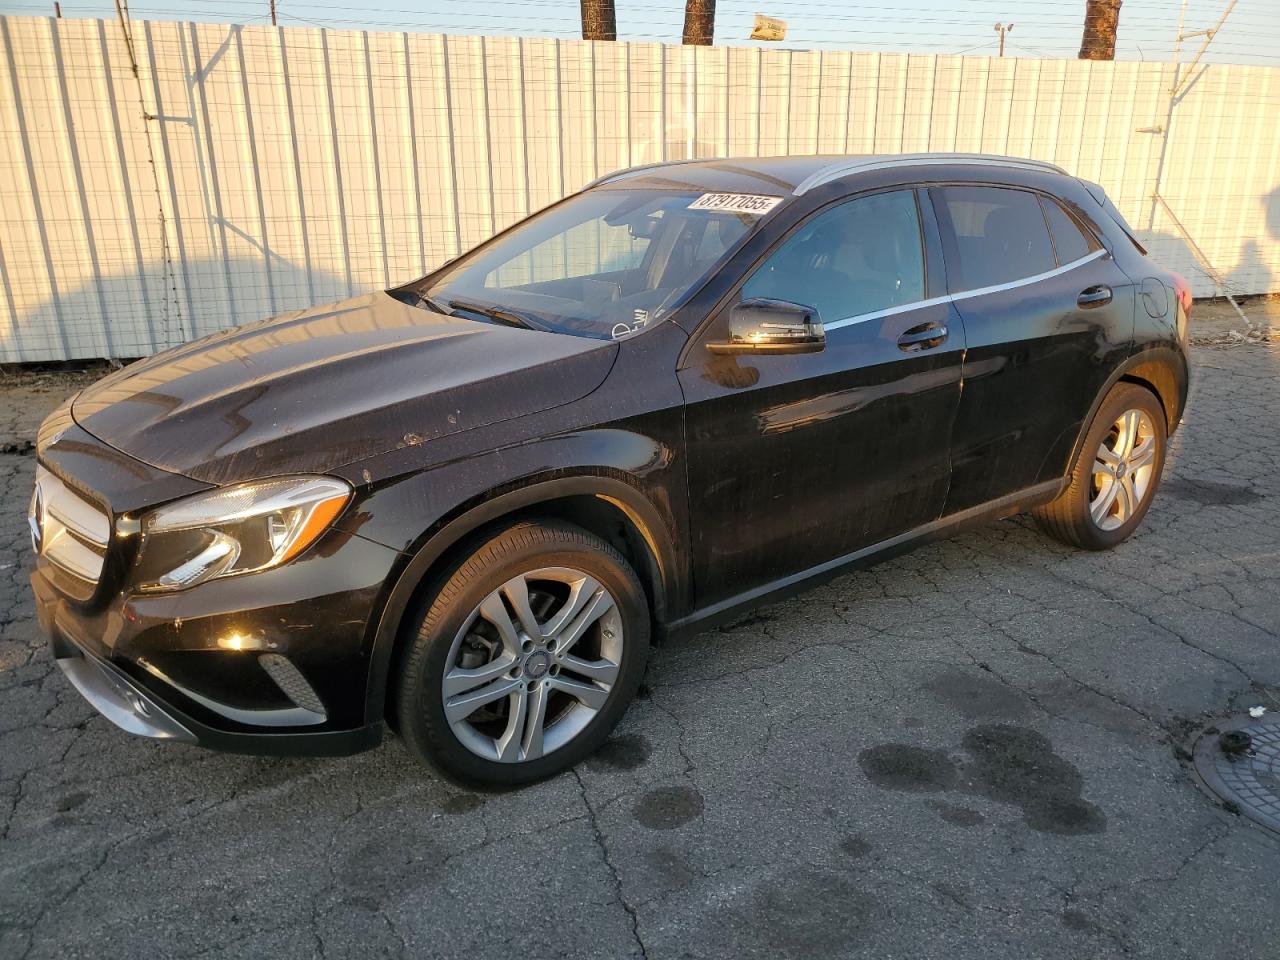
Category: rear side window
<point>1070,240</point>
<point>998,235</point>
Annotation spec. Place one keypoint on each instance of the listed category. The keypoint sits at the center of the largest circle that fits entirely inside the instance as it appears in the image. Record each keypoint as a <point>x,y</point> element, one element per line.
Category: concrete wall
<point>245,171</point>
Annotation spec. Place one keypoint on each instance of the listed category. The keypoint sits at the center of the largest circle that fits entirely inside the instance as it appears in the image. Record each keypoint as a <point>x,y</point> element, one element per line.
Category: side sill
<point>733,607</point>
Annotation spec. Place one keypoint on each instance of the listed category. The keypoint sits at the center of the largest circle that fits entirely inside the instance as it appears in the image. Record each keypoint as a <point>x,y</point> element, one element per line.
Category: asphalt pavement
<point>975,750</point>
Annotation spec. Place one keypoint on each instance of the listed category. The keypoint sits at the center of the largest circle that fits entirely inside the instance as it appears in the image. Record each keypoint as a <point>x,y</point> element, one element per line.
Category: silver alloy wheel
<point>513,690</point>
<point>1123,470</point>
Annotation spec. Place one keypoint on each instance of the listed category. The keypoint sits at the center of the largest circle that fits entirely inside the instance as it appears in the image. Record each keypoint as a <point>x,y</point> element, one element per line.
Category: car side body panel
<point>795,460</point>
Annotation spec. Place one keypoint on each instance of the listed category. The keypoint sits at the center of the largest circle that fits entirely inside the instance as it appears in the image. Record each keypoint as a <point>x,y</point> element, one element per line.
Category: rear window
<point>999,235</point>
<point>1070,239</point>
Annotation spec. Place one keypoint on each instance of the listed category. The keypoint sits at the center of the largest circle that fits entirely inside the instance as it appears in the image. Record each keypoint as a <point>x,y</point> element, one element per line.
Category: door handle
<point>924,336</point>
<point>1098,296</point>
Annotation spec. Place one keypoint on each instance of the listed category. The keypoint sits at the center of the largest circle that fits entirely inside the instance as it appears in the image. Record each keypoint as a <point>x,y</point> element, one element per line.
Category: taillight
<point>1184,294</point>
<point>1183,291</point>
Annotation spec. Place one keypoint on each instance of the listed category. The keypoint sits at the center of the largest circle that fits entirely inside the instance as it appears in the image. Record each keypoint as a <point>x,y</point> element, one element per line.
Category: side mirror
<point>772,326</point>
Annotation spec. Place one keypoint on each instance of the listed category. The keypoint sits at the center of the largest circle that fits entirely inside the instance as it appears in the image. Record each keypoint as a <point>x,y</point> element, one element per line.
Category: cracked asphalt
<point>975,750</point>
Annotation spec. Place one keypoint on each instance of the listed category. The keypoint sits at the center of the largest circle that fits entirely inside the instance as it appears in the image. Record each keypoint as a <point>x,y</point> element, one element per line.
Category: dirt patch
<point>666,808</point>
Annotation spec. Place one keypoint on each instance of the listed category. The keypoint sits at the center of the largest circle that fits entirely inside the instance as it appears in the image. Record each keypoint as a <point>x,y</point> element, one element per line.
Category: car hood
<point>313,390</point>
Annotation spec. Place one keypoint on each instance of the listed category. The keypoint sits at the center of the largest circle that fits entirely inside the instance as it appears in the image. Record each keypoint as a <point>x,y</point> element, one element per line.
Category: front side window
<point>859,257</point>
<point>999,236</point>
<point>604,263</point>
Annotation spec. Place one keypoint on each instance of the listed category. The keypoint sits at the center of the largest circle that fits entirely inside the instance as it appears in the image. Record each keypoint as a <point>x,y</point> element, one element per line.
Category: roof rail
<point>848,165</point>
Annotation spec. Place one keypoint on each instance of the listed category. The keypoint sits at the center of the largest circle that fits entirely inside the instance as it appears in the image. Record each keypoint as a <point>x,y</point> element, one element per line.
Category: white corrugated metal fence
<point>245,171</point>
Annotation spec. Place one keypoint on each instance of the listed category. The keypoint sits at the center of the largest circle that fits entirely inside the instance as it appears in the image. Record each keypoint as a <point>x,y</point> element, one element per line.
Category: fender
<point>1163,368</point>
<point>644,517</point>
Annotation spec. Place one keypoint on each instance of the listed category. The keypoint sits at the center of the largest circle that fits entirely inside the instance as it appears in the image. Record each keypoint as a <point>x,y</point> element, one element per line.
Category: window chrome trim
<point>1035,278</point>
<point>887,312</point>
<point>964,295</point>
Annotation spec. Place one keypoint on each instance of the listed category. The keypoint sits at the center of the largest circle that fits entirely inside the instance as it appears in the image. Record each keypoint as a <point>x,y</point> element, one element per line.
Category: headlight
<point>239,529</point>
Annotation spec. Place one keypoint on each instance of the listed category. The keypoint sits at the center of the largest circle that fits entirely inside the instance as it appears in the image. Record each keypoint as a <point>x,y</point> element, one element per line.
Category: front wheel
<point>1115,476</point>
<point>527,657</point>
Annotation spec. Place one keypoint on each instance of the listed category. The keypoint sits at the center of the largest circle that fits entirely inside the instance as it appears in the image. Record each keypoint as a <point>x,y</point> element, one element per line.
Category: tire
<point>569,577</point>
<point>1128,411</point>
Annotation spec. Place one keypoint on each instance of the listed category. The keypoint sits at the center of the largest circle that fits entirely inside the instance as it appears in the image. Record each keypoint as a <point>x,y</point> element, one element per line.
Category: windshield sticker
<point>641,318</point>
<point>736,203</point>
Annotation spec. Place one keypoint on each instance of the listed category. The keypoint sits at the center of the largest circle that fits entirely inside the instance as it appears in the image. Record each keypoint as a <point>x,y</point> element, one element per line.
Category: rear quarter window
<point>997,235</point>
<point>1071,240</point>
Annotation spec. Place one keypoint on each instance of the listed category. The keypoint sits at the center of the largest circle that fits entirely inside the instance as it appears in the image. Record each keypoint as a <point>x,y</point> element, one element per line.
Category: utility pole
<point>273,13</point>
<point>57,9</point>
<point>1002,29</point>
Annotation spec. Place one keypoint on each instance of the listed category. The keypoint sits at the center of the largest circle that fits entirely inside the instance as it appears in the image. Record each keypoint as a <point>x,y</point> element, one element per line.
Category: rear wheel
<point>527,657</point>
<point>1115,475</point>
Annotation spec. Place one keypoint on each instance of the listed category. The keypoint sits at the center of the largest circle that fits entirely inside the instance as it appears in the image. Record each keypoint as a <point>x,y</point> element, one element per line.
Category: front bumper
<point>139,711</point>
<point>269,663</point>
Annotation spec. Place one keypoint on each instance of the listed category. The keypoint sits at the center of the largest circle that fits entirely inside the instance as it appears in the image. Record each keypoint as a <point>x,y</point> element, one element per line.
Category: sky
<point>1041,29</point>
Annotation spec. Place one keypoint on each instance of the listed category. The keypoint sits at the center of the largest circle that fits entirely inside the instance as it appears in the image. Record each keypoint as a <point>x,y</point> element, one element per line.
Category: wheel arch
<point>1159,377</point>
<point>1162,370</point>
<point>607,506</point>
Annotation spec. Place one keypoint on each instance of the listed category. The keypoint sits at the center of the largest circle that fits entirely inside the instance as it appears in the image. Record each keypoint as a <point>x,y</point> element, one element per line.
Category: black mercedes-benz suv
<point>464,506</point>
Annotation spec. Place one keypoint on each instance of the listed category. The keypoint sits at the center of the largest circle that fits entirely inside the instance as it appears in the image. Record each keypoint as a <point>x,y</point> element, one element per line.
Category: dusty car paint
<point>727,479</point>
<point>320,388</point>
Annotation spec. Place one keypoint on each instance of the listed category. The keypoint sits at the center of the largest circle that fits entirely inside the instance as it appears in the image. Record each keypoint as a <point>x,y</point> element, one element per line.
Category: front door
<point>797,460</point>
<point>1047,314</point>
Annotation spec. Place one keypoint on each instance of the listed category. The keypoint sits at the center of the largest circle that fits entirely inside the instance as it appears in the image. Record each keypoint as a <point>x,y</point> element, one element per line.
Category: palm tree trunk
<point>598,20</point>
<point>700,22</point>
<point>1101,18</point>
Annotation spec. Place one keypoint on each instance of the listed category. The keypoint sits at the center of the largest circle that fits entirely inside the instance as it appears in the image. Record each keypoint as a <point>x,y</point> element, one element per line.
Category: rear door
<point>1047,314</point>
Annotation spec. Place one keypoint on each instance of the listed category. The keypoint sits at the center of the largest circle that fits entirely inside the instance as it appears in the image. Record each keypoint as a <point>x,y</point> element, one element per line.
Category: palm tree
<point>1101,18</point>
<point>699,22</point>
<point>598,20</point>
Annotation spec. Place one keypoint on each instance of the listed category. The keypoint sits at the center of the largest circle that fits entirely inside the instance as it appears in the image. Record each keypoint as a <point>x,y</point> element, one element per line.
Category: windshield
<point>605,263</point>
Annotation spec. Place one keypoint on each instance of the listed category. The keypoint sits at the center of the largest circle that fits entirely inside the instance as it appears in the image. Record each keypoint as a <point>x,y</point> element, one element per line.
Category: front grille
<point>68,530</point>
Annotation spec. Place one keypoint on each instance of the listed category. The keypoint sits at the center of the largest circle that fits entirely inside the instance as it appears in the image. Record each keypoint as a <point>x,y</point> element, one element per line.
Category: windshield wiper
<point>436,305</point>
<point>502,315</point>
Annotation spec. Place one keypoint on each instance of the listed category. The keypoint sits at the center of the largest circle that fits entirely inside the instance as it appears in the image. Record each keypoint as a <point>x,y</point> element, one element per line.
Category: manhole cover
<point>1239,761</point>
